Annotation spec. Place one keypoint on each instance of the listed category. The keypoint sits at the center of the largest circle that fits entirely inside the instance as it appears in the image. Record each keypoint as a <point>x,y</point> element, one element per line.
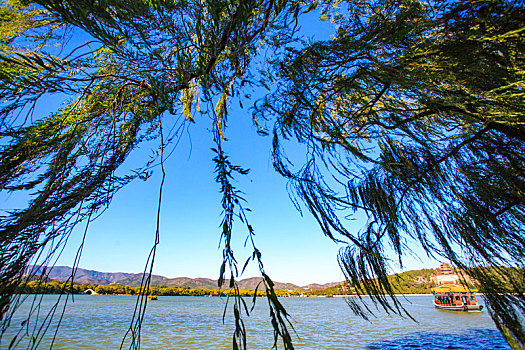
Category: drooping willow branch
<point>426,142</point>
<point>139,312</point>
<point>233,208</point>
<point>139,58</point>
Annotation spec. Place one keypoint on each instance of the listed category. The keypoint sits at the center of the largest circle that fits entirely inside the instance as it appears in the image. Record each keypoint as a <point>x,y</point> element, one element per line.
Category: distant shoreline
<point>321,296</point>
<point>367,295</point>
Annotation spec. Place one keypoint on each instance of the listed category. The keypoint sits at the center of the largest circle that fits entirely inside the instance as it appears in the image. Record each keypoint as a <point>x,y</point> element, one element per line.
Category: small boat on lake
<point>455,298</point>
<point>152,297</point>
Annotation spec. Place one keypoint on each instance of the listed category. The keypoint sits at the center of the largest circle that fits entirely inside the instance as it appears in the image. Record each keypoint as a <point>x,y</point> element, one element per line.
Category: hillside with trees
<point>414,281</point>
<point>408,282</point>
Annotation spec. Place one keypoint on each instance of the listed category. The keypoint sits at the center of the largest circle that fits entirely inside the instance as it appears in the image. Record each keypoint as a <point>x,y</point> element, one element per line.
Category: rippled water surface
<point>99,322</point>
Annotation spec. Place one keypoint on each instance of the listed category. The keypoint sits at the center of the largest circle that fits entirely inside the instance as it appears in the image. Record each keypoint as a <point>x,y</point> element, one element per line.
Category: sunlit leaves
<point>412,114</point>
<point>119,68</point>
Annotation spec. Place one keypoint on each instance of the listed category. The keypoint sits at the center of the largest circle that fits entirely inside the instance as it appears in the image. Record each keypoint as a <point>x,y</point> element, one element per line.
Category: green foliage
<point>141,62</point>
<point>412,114</point>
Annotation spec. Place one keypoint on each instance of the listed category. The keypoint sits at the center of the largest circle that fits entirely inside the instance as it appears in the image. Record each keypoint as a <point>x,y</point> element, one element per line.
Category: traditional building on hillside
<point>446,269</point>
<point>448,275</point>
<point>445,279</point>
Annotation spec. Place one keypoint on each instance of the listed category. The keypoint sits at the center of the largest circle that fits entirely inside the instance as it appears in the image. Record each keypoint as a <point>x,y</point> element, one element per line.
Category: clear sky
<point>293,247</point>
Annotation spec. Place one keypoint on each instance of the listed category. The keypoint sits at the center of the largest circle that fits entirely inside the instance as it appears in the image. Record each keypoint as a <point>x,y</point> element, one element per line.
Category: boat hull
<point>459,307</point>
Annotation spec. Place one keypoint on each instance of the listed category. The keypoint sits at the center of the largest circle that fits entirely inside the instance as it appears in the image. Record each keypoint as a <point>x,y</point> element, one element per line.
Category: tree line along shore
<point>408,282</point>
<point>58,287</point>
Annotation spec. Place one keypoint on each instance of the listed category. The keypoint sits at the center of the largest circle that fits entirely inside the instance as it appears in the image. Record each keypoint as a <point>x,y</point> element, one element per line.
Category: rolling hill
<point>83,276</point>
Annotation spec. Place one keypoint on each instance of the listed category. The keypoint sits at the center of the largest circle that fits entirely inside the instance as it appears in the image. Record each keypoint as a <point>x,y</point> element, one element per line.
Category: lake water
<point>99,322</point>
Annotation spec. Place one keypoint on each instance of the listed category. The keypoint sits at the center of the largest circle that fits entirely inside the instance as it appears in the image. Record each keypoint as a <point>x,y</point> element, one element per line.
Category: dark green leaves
<point>412,115</point>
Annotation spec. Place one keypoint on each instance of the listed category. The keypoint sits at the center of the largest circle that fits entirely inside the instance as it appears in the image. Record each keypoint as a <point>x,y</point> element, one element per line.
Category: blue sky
<point>293,247</point>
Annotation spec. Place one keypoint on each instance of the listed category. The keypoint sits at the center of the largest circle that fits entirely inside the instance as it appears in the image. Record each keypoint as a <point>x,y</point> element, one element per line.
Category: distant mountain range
<point>83,276</point>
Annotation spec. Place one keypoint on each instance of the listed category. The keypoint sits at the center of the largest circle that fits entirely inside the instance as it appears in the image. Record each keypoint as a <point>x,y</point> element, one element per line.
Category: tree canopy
<point>412,114</point>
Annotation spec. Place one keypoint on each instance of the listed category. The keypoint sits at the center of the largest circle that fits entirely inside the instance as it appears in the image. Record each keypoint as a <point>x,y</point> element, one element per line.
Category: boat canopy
<point>452,289</point>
